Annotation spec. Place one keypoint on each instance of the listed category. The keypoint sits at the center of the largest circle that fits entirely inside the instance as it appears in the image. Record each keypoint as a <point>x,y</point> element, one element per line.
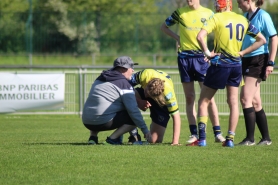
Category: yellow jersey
<point>190,23</point>
<point>143,77</point>
<point>230,29</point>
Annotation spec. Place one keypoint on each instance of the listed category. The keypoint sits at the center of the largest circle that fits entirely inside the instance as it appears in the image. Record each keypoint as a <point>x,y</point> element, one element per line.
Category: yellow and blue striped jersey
<point>146,75</point>
<point>229,29</point>
<point>190,23</point>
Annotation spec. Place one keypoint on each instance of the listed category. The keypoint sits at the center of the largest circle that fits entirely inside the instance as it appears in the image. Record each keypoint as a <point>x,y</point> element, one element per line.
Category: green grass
<point>52,149</point>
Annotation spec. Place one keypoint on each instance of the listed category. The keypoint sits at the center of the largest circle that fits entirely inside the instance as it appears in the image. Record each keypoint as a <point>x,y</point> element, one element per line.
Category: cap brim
<point>123,66</point>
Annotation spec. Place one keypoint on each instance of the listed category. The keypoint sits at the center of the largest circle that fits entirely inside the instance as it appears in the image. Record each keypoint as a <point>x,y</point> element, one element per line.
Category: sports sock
<point>193,129</point>
<point>250,119</point>
<point>202,125</point>
<point>134,132</point>
<point>262,124</point>
<point>216,130</point>
<point>230,135</point>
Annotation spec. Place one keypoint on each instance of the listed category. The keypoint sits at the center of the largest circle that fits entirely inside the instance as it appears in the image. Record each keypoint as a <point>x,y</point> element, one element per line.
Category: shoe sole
<point>252,144</point>
<point>195,143</point>
<point>202,144</point>
<point>191,141</point>
<point>137,143</point>
<point>91,143</point>
<point>229,146</point>
<point>217,140</point>
<point>267,144</point>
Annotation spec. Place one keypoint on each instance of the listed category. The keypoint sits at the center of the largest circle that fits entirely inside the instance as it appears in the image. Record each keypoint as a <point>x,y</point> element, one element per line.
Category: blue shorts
<point>218,77</point>
<point>159,115</point>
<point>192,67</point>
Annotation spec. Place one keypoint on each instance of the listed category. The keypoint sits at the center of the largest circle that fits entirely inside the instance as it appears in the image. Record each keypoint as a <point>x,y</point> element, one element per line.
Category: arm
<point>202,42</point>
<point>142,104</point>
<point>169,32</point>
<point>273,48</point>
<point>272,54</point>
<point>260,40</point>
<point>176,128</point>
<point>129,102</point>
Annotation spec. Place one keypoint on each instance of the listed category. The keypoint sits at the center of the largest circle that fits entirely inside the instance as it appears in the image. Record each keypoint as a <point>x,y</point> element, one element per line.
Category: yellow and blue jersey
<point>190,23</point>
<point>229,31</point>
<point>143,77</point>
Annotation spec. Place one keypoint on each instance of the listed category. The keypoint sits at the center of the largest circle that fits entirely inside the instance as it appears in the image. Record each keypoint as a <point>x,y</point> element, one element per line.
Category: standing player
<point>256,66</point>
<point>192,66</point>
<point>225,71</point>
<point>157,93</point>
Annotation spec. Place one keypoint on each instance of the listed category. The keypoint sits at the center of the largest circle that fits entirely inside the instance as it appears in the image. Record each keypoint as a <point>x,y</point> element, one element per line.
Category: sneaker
<point>228,143</point>
<point>121,138</point>
<point>246,142</point>
<point>113,141</point>
<point>219,138</point>
<point>265,142</point>
<point>93,140</point>
<point>137,143</point>
<point>202,143</point>
<point>132,139</point>
<point>193,138</point>
<point>195,143</point>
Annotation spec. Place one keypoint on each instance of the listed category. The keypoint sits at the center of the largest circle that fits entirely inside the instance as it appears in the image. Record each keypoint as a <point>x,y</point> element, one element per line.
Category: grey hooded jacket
<point>110,93</point>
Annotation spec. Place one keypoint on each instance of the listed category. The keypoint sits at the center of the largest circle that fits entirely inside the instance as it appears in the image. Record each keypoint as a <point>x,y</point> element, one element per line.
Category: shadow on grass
<point>83,144</point>
<point>78,144</point>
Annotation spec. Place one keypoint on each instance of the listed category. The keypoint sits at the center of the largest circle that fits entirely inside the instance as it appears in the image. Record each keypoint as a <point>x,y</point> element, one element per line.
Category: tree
<point>12,25</point>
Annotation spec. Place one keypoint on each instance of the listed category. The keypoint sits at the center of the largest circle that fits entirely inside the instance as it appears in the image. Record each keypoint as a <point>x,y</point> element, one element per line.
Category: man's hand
<point>148,137</point>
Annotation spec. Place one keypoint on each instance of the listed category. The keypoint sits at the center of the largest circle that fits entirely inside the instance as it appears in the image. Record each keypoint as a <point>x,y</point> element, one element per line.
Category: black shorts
<point>255,66</point>
<point>121,118</point>
<point>159,115</point>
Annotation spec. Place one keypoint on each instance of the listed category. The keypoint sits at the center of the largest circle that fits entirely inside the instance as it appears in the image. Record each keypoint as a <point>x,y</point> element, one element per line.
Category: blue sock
<point>202,130</point>
<point>193,129</point>
<point>216,130</point>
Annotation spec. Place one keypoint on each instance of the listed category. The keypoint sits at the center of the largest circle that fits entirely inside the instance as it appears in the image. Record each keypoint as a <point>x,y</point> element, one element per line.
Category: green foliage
<point>52,149</point>
<point>84,27</point>
<point>12,25</point>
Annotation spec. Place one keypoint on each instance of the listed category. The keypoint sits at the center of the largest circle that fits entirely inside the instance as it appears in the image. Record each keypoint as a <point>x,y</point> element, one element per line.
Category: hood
<point>110,75</point>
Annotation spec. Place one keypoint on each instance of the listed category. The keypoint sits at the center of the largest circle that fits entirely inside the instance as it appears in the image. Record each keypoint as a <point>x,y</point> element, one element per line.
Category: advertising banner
<point>31,92</point>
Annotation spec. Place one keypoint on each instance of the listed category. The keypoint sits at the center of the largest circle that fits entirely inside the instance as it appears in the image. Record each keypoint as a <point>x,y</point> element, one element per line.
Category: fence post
<point>80,91</point>
<point>154,59</point>
<point>93,59</point>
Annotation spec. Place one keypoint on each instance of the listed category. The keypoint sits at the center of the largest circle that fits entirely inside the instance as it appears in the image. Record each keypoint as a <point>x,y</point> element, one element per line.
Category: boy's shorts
<point>192,68</point>
<point>219,77</point>
<point>159,115</point>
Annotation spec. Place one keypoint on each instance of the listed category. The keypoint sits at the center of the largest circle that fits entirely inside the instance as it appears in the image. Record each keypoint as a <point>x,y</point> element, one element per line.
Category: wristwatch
<point>270,63</point>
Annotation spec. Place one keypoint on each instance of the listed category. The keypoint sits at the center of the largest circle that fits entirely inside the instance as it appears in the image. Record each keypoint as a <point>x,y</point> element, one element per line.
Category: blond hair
<point>155,89</point>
